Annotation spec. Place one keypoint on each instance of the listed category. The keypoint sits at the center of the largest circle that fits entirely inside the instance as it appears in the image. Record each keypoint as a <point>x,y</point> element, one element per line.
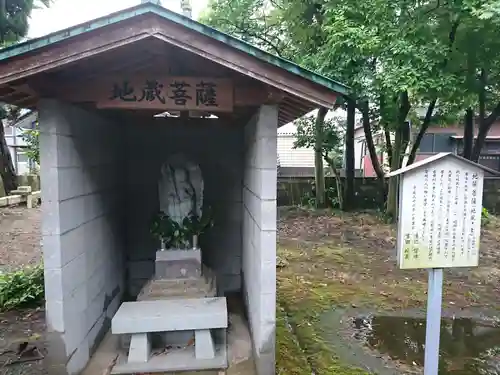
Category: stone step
<point>166,289</point>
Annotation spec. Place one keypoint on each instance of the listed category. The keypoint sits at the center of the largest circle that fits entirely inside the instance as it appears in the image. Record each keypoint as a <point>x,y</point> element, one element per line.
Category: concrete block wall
<point>83,232</point>
<point>218,149</point>
<point>259,234</point>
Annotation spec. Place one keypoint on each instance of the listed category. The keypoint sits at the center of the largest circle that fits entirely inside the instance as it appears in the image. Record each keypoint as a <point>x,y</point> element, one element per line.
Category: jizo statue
<point>180,188</point>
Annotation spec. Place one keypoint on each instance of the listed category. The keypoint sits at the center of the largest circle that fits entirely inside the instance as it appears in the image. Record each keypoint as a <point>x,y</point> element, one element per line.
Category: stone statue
<point>180,188</point>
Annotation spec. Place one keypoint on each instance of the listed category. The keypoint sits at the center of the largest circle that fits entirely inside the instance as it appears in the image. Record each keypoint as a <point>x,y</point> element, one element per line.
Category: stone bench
<point>21,195</point>
<point>140,319</point>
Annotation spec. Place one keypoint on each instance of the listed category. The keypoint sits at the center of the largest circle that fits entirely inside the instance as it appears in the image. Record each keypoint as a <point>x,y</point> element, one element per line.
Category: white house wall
<point>293,157</point>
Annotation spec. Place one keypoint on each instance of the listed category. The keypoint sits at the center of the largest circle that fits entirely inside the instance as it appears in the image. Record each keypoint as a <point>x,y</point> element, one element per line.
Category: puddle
<point>467,347</point>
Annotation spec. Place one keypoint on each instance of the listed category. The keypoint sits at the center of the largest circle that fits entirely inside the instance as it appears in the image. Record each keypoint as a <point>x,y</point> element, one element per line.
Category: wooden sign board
<point>440,219</point>
<point>169,93</point>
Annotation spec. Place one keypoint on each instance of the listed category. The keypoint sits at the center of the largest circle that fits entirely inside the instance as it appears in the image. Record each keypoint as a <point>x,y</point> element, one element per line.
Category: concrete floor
<point>239,352</point>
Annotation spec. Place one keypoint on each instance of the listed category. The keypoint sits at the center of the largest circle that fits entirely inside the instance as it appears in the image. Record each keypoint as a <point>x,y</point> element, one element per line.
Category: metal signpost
<point>439,223</point>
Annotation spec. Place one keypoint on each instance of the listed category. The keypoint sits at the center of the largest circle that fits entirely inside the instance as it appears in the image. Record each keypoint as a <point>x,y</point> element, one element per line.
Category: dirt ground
<point>331,261</point>
<point>20,237</point>
<point>326,260</point>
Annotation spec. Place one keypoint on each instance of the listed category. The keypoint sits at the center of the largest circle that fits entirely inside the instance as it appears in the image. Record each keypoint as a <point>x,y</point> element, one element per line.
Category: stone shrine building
<point>117,97</point>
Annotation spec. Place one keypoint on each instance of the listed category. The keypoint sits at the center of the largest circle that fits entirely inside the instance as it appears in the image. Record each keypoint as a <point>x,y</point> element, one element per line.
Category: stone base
<point>164,289</point>
<point>175,340</point>
<point>178,264</point>
<point>176,360</point>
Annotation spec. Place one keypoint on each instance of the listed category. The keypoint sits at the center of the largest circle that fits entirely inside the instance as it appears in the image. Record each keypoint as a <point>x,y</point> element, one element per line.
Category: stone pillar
<point>82,232</point>
<point>259,234</point>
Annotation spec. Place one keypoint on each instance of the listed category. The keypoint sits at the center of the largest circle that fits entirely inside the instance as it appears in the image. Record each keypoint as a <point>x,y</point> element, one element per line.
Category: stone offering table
<point>177,323</point>
<point>207,317</point>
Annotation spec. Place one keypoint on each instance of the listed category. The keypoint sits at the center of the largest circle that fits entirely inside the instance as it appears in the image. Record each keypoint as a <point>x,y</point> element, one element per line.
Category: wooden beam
<point>244,95</point>
<point>26,102</point>
<point>165,93</point>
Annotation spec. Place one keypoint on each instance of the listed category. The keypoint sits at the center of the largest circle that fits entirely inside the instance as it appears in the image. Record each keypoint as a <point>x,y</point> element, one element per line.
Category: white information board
<point>440,215</point>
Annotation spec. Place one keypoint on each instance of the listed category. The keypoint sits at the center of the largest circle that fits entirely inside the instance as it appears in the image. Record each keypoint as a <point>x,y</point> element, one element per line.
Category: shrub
<point>331,197</point>
<point>21,288</point>
<point>485,216</point>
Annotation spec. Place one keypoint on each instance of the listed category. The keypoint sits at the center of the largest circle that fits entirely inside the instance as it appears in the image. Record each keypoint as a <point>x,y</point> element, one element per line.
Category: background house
<point>293,162</point>
<point>437,139</point>
<point>16,143</point>
<point>299,162</point>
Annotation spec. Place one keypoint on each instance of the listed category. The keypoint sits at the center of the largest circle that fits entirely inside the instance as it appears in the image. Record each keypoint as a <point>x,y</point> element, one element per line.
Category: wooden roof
<point>149,38</point>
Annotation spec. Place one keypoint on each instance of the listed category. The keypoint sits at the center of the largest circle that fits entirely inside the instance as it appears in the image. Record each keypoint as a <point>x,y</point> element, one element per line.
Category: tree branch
<point>468,133</point>
<point>388,145</point>
<point>248,32</point>
<point>432,105</point>
<point>482,97</point>
<point>421,132</point>
<point>363,107</point>
<point>483,132</point>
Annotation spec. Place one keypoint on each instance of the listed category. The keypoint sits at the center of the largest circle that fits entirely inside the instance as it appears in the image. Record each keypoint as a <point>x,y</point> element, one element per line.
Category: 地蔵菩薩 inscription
<point>177,93</point>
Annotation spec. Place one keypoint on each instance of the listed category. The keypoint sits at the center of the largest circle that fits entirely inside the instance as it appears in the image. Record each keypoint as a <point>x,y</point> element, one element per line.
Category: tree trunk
<point>468,133</point>
<point>349,156</point>
<point>318,159</point>
<point>392,194</point>
<point>401,140</point>
<point>369,141</point>
<point>484,128</point>
<point>7,171</point>
<point>388,145</point>
<point>340,189</point>
<point>338,182</point>
<point>405,141</point>
<point>421,132</point>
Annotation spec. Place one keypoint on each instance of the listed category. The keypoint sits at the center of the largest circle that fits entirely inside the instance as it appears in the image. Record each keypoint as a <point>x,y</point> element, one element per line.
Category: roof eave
<point>141,9</point>
<point>437,157</point>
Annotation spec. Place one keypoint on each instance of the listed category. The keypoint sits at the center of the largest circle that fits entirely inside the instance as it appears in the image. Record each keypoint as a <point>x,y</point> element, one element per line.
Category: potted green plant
<point>183,258</point>
<point>170,233</point>
<point>195,225</point>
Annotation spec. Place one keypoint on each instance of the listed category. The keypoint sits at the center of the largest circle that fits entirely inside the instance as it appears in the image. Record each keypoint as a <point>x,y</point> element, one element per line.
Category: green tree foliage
<point>32,139</point>
<point>399,57</point>
<point>14,17</point>
<point>331,145</point>
<point>258,22</point>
